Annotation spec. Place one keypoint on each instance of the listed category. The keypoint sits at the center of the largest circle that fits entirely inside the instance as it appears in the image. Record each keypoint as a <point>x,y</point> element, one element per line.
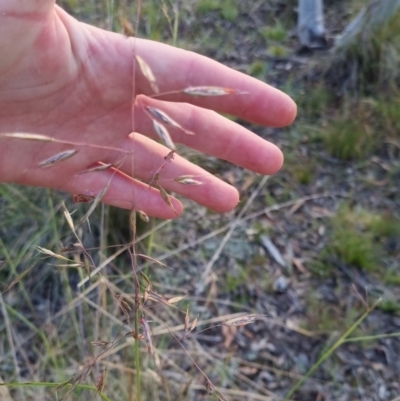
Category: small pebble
<point>281,284</point>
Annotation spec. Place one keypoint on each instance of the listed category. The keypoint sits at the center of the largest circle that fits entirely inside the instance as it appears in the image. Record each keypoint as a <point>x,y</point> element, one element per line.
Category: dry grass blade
<point>18,279</point>
<point>187,180</point>
<point>97,168</point>
<point>149,258</point>
<point>100,343</point>
<point>210,91</point>
<point>148,73</point>
<point>163,134</point>
<point>71,265</point>
<point>4,394</point>
<point>29,137</point>
<point>165,197</point>
<point>59,157</point>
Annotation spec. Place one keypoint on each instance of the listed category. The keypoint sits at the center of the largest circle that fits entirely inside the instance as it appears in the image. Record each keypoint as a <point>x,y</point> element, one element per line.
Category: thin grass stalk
<point>48,384</point>
<point>64,274</point>
<point>372,338</point>
<point>331,350</point>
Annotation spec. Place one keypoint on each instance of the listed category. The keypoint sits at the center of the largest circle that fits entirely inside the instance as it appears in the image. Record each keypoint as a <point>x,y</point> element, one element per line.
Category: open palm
<point>81,85</point>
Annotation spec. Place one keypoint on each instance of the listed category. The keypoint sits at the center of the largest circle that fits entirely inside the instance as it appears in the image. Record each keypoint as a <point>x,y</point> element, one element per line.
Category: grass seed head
<point>148,73</point>
<point>29,137</point>
<point>97,168</point>
<point>187,180</point>
<point>240,321</point>
<point>164,117</point>
<point>143,216</point>
<point>165,197</point>
<point>101,381</point>
<point>59,157</point>
<point>163,134</point>
<point>210,91</point>
<point>174,300</point>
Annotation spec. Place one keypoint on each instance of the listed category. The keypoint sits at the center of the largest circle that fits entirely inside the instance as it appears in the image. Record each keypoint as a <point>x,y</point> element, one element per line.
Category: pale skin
<point>74,82</point>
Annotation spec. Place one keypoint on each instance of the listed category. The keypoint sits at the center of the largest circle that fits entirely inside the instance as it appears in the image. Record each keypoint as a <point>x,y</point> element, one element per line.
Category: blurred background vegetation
<point>309,250</point>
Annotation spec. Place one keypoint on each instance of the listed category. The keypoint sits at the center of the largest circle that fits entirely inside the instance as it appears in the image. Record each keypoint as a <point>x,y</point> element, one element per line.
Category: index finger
<point>176,69</point>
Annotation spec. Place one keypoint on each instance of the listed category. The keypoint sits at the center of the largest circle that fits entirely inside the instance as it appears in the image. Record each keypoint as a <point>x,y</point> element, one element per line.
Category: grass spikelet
<point>59,157</point>
<point>193,325</point>
<point>146,293</point>
<point>147,335</point>
<point>165,197</point>
<point>165,118</point>
<point>80,198</point>
<point>30,137</point>
<point>101,381</point>
<point>96,201</point>
<point>69,220</point>
<point>210,91</point>
<point>174,300</point>
<point>51,253</point>
<point>187,320</point>
<point>157,297</point>
<point>146,278</point>
<point>209,387</point>
<point>160,115</point>
<point>87,267</point>
<point>127,27</point>
<point>97,168</point>
<point>143,216</point>
<point>187,180</point>
<point>163,133</point>
<point>148,73</point>
<point>240,321</point>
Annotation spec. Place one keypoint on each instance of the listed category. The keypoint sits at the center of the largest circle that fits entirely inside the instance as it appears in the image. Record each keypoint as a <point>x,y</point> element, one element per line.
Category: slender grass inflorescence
<point>145,298</point>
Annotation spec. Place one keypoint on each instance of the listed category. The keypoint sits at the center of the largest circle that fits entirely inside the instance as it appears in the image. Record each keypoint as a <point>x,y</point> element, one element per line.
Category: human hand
<point>78,84</point>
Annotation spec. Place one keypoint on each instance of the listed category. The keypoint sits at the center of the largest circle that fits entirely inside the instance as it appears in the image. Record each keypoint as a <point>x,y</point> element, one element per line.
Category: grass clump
<point>206,6</point>
<point>228,9</point>
<point>349,138</point>
<point>276,33</point>
<point>357,236</point>
<point>314,100</point>
<point>324,317</point>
